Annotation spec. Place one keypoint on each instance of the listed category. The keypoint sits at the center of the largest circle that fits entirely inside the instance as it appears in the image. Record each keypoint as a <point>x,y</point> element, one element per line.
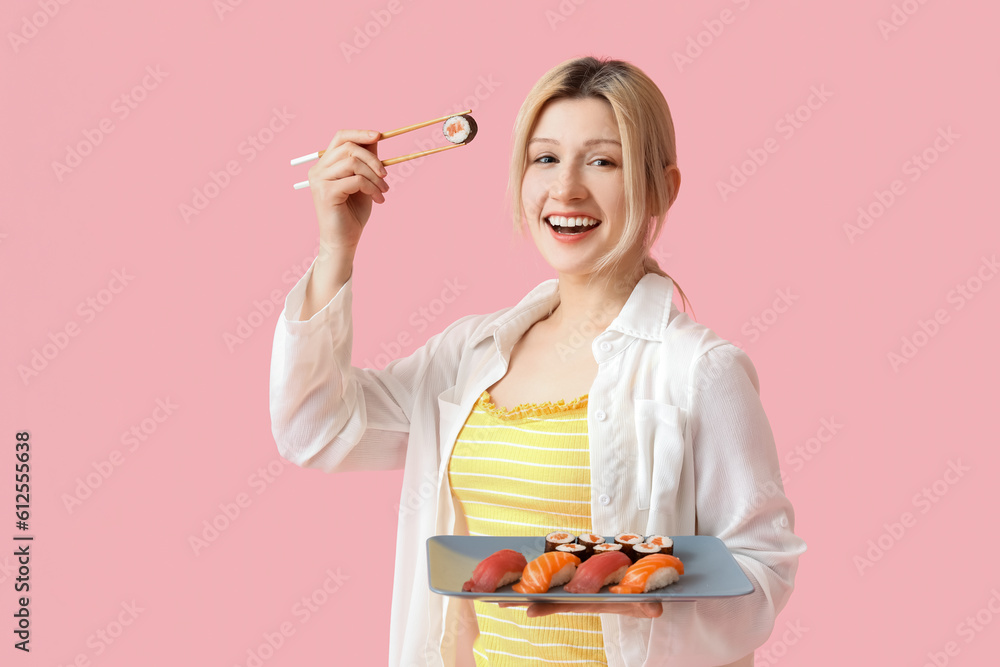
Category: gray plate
<point>710,571</point>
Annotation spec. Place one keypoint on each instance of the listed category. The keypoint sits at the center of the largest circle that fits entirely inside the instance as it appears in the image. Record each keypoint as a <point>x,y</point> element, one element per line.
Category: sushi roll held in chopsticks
<point>460,129</point>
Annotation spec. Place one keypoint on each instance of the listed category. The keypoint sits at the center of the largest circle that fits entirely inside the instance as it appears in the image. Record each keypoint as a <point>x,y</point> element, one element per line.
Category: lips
<point>571,224</point>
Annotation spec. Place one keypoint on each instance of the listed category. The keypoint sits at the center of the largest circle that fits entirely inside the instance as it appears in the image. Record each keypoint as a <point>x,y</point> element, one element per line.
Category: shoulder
<point>471,330</point>
<point>702,359</point>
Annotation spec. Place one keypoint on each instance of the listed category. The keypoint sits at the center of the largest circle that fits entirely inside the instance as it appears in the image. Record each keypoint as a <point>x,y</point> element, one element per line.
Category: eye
<point>544,157</point>
<point>607,163</point>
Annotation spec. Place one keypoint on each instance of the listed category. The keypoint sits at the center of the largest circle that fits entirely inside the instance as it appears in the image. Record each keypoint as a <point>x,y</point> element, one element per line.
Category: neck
<point>587,307</point>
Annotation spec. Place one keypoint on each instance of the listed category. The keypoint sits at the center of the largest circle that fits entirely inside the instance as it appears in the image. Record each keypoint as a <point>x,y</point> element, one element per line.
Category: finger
<point>638,609</point>
<point>337,192</point>
<point>352,154</point>
<point>654,609</point>
<point>545,609</point>
<point>365,137</point>
<point>347,166</point>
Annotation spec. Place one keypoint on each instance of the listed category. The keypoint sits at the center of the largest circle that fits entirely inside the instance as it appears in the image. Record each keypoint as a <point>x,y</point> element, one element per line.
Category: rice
<point>664,576</point>
<point>563,576</point>
<point>509,578</point>
<point>460,129</point>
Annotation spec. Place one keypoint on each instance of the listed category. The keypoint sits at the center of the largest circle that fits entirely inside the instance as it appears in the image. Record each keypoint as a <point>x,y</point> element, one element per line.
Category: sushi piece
<point>552,540</point>
<point>553,568</point>
<point>590,541</point>
<point>663,541</point>
<point>502,568</point>
<point>645,549</point>
<point>649,573</point>
<point>628,540</point>
<point>577,550</point>
<point>460,129</point>
<point>600,570</point>
<point>602,548</point>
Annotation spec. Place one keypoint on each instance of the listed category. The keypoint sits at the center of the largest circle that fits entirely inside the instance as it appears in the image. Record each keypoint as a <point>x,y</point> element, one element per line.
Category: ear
<point>673,176</point>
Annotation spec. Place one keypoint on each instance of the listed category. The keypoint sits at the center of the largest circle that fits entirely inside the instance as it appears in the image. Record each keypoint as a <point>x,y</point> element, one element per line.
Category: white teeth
<point>579,221</point>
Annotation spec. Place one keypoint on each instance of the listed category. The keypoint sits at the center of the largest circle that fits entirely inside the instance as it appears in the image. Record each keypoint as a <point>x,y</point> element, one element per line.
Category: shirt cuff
<point>333,310</point>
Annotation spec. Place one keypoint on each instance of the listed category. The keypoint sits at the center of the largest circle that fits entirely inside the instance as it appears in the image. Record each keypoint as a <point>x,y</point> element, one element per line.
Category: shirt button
<point>606,346</point>
<point>605,499</point>
<point>601,416</point>
<point>784,522</point>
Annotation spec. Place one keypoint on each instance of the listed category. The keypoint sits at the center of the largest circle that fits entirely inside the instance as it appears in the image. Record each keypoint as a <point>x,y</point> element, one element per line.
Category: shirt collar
<point>644,315</point>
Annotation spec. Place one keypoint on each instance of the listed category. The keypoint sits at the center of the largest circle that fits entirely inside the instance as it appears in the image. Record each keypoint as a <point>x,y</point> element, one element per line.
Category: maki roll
<point>628,541</point>
<point>645,549</point>
<point>590,541</point>
<point>604,548</point>
<point>460,129</point>
<point>577,550</point>
<point>663,541</point>
<point>554,539</point>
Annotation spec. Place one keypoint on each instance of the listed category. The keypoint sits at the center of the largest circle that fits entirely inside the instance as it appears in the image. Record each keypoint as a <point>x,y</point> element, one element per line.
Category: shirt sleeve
<point>741,500</point>
<point>330,415</point>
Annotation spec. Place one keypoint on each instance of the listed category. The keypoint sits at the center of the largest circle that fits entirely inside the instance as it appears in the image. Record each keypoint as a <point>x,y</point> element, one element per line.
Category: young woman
<point>592,405</point>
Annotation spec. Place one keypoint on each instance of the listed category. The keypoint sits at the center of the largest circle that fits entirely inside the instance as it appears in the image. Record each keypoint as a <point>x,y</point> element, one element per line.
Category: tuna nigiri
<point>502,568</point>
<point>649,573</point>
<point>553,568</point>
<point>599,571</point>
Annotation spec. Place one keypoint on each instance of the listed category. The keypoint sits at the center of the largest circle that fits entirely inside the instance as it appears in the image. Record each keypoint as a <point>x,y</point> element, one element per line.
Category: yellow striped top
<point>526,471</point>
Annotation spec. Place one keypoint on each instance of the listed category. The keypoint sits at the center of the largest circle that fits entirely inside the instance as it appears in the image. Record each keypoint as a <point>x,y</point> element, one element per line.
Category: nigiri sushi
<point>649,573</point>
<point>552,568</point>
<point>502,568</point>
<point>600,570</point>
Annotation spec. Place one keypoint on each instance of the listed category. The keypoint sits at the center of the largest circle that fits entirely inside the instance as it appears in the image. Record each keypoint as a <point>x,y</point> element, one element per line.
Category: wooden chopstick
<point>386,135</point>
<point>397,160</point>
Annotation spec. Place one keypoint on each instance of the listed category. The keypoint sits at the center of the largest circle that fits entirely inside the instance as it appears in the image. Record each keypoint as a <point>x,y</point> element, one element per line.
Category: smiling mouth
<point>576,225</point>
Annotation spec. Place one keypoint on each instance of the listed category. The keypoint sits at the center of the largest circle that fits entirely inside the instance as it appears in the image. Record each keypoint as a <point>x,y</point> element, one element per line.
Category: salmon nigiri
<point>553,568</point>
<point>649,573</point>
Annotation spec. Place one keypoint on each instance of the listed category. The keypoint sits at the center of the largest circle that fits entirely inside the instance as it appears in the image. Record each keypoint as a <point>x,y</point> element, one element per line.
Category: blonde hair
<point>648,147</point>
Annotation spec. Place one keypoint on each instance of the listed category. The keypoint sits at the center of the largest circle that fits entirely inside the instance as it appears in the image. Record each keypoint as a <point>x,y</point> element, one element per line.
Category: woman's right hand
<point>344,182</point>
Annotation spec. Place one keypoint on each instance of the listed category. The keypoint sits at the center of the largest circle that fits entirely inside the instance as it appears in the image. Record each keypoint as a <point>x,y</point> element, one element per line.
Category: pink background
<point>191,287</point>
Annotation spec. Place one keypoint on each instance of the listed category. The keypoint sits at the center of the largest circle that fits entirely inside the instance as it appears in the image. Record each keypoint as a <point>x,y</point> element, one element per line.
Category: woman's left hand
<point>639,609</point>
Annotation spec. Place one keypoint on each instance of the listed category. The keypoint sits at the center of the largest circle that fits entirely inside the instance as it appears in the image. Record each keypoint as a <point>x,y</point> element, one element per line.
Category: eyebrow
<point>588,142</point>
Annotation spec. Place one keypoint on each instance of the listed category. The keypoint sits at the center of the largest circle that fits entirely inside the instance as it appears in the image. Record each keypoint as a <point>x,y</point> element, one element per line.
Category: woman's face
<point>574,170</point>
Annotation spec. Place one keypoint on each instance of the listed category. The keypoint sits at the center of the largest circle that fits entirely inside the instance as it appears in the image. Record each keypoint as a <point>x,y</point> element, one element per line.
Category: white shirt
<point>679,444</point>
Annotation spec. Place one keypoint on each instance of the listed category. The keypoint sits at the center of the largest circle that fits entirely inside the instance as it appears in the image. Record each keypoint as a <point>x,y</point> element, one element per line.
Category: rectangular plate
<point>710,571</point>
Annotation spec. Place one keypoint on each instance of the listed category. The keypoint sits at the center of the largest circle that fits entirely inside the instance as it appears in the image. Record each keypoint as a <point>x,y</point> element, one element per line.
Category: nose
<point>567,184</point>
